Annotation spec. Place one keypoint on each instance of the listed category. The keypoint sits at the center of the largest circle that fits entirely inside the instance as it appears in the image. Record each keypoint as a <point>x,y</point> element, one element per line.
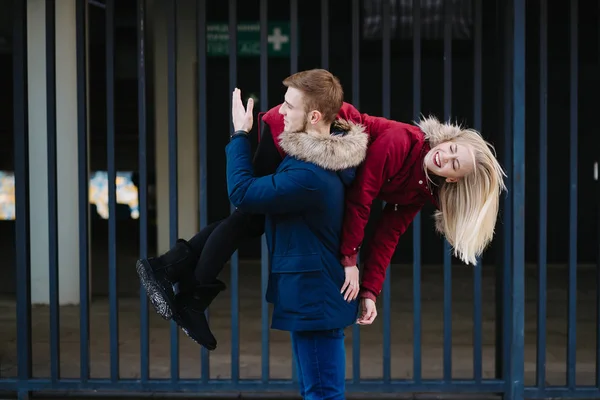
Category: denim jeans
<point>321,363</point>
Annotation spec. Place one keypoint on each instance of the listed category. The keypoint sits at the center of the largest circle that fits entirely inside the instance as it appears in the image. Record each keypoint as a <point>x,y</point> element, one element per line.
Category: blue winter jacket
<point>304,206</point>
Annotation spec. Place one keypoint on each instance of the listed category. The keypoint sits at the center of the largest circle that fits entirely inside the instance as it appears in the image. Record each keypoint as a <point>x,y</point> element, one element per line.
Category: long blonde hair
<point>468,208</point>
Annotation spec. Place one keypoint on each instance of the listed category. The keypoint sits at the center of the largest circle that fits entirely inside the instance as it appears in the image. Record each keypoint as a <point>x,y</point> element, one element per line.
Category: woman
<point>453,167</point>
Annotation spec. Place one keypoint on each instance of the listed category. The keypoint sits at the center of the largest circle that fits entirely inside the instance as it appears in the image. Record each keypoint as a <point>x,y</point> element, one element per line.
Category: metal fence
<point>510,344</point>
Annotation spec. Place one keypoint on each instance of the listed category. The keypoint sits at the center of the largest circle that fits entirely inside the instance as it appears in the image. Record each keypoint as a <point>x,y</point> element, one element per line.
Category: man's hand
<point>369,312</point>
<point>242,119</point>
<point>351,285</point>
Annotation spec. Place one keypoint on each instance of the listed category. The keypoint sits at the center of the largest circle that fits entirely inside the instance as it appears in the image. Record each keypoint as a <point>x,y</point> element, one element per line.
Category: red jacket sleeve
<point>378,166</point>
<point>392,224</point>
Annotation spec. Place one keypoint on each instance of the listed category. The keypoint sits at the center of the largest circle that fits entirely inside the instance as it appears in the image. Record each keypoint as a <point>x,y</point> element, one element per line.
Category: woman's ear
<point>451,180</point>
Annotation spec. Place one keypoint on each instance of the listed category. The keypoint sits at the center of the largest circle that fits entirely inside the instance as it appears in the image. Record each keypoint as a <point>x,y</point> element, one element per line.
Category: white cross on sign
<point>277,39</point>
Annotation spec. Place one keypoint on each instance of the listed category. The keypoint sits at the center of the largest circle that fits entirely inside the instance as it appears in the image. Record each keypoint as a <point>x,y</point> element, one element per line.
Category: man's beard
<point>301,128</point>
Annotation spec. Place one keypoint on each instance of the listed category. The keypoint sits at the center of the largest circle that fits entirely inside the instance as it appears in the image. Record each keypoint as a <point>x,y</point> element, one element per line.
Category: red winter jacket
<point>393,172</point>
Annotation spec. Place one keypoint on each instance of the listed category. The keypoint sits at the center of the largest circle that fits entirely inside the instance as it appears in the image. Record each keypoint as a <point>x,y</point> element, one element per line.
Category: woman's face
<point>451,160</point>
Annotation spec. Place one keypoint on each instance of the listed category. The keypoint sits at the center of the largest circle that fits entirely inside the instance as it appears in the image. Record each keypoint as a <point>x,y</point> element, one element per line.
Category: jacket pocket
<point>300,284</point>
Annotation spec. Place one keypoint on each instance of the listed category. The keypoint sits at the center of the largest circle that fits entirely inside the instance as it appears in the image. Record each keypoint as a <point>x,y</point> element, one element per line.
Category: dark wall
<point>371,94</point>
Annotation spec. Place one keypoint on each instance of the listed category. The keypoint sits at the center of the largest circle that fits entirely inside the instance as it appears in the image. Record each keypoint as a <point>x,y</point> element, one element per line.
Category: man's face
<point>295,117</point>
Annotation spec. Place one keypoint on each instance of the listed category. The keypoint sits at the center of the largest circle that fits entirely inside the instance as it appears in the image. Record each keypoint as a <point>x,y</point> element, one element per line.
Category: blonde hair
<point>468,208</point>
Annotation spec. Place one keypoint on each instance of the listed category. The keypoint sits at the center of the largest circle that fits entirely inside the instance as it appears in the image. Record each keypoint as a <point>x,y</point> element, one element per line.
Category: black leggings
<point>217,242</point>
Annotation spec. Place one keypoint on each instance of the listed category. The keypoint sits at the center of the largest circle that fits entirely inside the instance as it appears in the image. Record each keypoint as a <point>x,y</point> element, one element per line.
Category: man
<point>196,264</point>
<point>303,203</point>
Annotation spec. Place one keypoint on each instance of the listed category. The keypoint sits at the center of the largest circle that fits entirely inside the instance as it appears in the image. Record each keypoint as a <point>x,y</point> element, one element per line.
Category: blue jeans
<point>321,363</point>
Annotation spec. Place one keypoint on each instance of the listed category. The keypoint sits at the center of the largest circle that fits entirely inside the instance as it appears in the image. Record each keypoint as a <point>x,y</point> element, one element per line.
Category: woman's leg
<point>159,274</point>
<point>322,359</point>
<point>224,241</point>
<point>218,248</point>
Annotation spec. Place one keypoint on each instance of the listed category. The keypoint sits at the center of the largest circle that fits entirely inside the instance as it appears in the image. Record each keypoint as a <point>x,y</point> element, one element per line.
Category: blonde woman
<point>407,166</point>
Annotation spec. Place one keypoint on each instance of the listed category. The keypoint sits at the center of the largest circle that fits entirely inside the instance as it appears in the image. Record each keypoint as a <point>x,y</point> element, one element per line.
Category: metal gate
<point>509,375</point>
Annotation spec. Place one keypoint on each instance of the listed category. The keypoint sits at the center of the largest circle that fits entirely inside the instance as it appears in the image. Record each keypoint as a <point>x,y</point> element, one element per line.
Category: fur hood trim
<point>333,152</point>
<point>437,132</point>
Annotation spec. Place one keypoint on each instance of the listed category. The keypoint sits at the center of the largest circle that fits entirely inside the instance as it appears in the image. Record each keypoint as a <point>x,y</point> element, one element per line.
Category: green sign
<point>248,39</point>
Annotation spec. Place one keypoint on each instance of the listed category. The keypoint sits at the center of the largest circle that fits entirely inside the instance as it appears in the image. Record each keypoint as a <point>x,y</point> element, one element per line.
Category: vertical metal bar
<point>173,170</point>
<point>543,203</point>
<point>112,195</point>
<point>293,36</point>
<point>52,189</point>
<point>202,146</point>
<point>500,21</point>
<point>356,101</point>
<point>447,258</point>
<point>143,183</point>
<point>417,356</point>
<point>597,183</point>
<point>386,82</point>
<point>503,357</point>
<point>83,182</point>
<point>235,309</point>
<point>517,344</point>
<point>477,118</point>
<point>325,34</point>
<point>21,145</point>
<point>264,251</point>
<point>572,310</point>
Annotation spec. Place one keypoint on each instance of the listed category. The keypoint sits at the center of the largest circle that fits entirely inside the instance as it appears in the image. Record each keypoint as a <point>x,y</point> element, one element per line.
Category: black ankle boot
<point>159,274</point>
<point>190,312</point>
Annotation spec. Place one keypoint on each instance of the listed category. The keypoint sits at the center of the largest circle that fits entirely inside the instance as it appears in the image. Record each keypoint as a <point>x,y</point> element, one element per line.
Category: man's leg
<point>322,359</point>
<point>298,365</point>
<point>219,247</point>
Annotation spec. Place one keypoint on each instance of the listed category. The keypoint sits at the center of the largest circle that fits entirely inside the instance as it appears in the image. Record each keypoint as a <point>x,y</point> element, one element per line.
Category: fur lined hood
<point>333,152</point>
<point>437,132</point>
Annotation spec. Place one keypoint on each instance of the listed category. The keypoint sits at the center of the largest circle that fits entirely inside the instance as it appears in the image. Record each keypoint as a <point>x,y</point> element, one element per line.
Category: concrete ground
<point>280,360</point>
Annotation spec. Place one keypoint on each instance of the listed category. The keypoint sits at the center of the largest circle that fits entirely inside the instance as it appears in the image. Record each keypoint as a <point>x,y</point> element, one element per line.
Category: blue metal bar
<point>97,4</point>
<point>572,301</point>
<point>191,388</point>
<point>293,36</point>
<point>355,102</point>
<point>112,195</point>
<point>417,317</point>
<point>173,170</point>
<point>597,274</point>
<point>83,182</point>
<point>447,250</point>
<point>543,203</point>
<point>325,34</point>
<point>52,189</point>
<point>143,184</point>
<point>560,392</point>
<point>386,82</point>
<point>505,299</point>
<point>477,124</point>
<point>21,145</point>
<point>515,390</point>
<point>202,147</point>
<point>264,251</point>
<point>235,306</point>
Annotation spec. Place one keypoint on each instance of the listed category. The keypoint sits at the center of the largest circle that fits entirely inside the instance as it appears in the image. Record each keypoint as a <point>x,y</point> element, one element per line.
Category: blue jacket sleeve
<point>290,191</point>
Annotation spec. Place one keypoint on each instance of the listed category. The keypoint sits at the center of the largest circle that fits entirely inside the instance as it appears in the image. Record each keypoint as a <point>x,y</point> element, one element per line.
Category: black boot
<point>159,274</point>
<point>190,312</point>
